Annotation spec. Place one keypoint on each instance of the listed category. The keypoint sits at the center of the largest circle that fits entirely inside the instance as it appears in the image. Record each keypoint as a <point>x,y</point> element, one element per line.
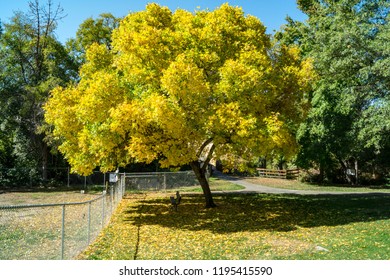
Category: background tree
<point>181,88</point>
<point>347,126</point>
<point>33,63</point>
<point>295,33</point>
<point>92,31</point>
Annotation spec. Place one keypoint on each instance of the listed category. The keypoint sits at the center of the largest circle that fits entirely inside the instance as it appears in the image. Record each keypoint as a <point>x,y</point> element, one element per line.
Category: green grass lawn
<point>247,226</point>
<point>216,184</point>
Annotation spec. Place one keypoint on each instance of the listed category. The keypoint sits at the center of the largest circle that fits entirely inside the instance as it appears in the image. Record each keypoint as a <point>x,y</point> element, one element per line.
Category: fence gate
<point>280,174</point>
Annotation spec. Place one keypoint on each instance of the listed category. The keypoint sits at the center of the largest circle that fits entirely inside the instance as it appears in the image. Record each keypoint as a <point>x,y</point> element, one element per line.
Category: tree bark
<point>322,172</point>
<point>356,173</point>
<point>200,173</point>
<point>45,155</point>
<point>344,165</point>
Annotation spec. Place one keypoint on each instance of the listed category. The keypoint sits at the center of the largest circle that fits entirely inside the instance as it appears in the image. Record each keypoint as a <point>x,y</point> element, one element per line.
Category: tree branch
<point>208,158</point>
<point>204,145</point>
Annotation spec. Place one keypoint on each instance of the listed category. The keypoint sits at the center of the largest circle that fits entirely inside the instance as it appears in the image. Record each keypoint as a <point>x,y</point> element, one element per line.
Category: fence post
<point>89,222</point>
<point>112,197</point>
<point>103,197</point>
<point>68,177</point>
<point>63,233</point>
<point>117,192</point>
<point>123,178</point>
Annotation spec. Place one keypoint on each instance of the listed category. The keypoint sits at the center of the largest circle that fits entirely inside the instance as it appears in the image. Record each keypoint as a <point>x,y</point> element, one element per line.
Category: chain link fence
<point>22,178</point>
<point>158,180</point>
<point>30,178</point>
<point>63,230</point>
<point>55,231</point>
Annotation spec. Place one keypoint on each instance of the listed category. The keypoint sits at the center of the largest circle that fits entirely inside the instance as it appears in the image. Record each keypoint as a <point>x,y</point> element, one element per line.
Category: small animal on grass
<point>175,201</point>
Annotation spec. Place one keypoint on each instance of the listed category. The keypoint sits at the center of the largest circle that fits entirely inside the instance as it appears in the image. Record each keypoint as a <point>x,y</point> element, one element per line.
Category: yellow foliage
<point>98,58</point>
<point>175,81</point>
<point>186,84</point>
<point>280,136</point>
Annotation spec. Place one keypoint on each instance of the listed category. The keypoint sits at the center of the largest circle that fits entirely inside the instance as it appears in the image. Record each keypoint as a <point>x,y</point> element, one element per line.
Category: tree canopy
<point>91,31</point>
<point>182,88</point>
<point>347,126</point>
<point>33,63</point>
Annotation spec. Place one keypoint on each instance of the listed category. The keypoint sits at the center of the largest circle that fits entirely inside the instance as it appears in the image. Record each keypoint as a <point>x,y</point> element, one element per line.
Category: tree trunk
<point>200,173</point>
<point>322,173</point>
<point>344,165</point>
<point>45,155</point>
<point>356,172</point>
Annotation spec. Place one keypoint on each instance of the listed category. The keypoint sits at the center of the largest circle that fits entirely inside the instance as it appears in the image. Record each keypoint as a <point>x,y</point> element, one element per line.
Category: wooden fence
<point>280,174</point>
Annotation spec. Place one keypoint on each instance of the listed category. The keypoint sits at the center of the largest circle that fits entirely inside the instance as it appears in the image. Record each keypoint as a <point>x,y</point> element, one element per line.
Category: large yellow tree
<point>181,88</point>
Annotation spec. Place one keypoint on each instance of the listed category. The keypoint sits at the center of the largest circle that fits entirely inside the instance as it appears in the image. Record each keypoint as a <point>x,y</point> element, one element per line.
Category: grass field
<point>18,198</point>
<point>247,226</point>
<point>215,185</point>
<point>297,185</point>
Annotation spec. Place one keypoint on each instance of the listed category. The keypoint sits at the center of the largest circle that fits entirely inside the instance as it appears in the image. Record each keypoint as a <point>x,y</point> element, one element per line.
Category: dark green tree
<point>91,31</point>
<point>33,62</point>
<point>295,33</point>
<point>347,127</point>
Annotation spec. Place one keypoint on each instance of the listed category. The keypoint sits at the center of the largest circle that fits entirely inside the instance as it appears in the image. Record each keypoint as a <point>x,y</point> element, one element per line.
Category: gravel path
<point>256,188</point>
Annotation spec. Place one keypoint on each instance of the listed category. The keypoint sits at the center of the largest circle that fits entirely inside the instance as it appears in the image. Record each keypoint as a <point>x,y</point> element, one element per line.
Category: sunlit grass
<point>247,226</point>
<point>216,184</point>
<point>297,185</point>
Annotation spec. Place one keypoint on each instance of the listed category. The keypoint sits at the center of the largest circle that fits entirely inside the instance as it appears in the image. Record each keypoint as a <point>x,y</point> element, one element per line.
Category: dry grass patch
<point>17,198</point>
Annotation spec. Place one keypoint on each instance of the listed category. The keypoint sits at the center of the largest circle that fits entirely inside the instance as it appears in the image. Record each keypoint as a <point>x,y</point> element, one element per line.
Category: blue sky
<point>271,12</point>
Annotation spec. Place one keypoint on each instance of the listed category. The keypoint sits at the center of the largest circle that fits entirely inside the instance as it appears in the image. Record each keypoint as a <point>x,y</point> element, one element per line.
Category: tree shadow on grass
<point>256,212</point>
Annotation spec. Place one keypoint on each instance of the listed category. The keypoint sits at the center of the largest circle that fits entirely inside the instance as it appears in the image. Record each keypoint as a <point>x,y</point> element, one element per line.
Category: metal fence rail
<point>32,177</point>
<point>54,231</point>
